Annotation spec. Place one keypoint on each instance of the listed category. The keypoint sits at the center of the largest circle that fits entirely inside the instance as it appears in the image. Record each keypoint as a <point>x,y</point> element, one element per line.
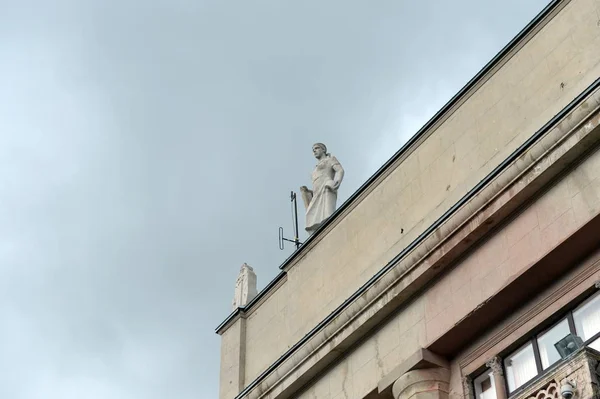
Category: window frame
<point>533,340</point>
<point>487,372</point>
<point>515,351</point>
<point>544,331</point>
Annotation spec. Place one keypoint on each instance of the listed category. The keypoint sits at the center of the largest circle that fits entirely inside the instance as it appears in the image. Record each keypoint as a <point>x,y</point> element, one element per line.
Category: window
<point>548,353</point>
<point>540,352</point>
<point>520,367</point>
<point>484,386</point>
<point>587,320</point>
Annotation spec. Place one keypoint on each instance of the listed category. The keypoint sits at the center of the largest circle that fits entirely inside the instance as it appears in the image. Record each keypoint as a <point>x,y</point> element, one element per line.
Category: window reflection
<point>548,353</point>
<point>595,345</point>
<point>520,367</point>
<point>587,318</point>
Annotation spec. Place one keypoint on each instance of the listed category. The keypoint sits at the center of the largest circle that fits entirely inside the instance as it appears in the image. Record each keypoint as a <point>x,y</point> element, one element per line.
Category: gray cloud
<point>147,149</point>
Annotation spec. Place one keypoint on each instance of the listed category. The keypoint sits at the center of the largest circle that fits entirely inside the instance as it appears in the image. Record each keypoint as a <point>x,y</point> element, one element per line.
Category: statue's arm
<point>339,175</point>
<point>306,189</point>
<point>306,195</point>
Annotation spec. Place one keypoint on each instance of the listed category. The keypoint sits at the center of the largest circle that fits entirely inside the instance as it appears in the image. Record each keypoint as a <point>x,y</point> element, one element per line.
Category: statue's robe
<point>322,203</point>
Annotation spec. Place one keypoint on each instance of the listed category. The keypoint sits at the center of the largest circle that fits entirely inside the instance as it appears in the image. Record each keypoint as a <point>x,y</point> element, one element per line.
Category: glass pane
<point>520,367</point>
<point>595,345</point>
<point>484,386</point>
<point>546,341</point>
<point>587,318</point>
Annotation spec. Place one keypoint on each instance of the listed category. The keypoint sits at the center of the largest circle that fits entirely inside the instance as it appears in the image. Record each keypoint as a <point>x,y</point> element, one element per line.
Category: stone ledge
<point>422,359</point>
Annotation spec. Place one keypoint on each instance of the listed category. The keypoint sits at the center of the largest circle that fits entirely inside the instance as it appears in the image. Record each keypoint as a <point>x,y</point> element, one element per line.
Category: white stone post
<point>245,287</point>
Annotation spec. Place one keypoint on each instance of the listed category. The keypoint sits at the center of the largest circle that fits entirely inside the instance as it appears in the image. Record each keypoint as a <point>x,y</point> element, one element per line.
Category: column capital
<point>495,364</point>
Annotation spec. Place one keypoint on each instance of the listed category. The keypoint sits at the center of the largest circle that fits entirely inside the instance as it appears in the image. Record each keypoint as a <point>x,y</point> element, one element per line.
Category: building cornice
<point>543,157</point>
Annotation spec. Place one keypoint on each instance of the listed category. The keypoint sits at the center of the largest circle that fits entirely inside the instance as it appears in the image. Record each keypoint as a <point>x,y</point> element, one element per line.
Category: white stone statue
<point>245,287</point>
<point>326,178</point>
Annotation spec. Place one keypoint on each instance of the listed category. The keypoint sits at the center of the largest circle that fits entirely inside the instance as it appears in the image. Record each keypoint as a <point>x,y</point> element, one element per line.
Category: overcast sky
<point>148,148</point>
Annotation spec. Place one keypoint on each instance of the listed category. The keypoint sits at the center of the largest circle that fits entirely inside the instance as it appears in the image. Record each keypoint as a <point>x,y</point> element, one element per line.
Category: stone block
<point>525,252</point>
<point>365,379</point>
<point>561,228</point>
<point>340,380</point>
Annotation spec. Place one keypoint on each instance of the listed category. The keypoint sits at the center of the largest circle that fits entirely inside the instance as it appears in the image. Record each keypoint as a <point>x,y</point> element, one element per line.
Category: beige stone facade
<point>458,249</point>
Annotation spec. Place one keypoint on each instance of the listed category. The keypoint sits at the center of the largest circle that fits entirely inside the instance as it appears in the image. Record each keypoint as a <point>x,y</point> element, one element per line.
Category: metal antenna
<point>296,240</point>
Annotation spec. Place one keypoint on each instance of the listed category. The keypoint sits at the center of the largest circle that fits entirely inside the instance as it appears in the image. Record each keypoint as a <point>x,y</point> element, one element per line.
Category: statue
<point>326,178</point>
<point>245,287</point>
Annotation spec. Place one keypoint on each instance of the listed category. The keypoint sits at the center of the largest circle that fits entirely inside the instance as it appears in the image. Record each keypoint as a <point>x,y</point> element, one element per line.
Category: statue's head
<point>319,150</point>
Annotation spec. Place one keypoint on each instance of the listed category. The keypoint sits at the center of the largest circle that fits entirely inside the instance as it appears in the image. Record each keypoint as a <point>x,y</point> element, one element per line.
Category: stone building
<point>466,267</point>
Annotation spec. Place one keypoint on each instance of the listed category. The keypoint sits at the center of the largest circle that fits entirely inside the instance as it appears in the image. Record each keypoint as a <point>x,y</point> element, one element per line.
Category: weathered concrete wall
<point>545,75</point>
<point>233,344</point>
<point>557,214</point>
<point>562,210</point>
<point>361,370</point>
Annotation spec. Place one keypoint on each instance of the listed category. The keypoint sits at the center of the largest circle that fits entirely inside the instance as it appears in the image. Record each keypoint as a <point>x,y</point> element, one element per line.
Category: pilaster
<point>233,359</point>
<point>495,364</point>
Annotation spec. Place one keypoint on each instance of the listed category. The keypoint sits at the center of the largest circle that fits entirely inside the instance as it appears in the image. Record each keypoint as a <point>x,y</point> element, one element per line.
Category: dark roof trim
<point>480,75</point>
<point>511,158</point>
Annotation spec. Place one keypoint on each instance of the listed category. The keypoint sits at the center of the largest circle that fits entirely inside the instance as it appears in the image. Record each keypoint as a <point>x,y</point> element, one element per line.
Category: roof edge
<point>372,281</point>
<point>480,76</point>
